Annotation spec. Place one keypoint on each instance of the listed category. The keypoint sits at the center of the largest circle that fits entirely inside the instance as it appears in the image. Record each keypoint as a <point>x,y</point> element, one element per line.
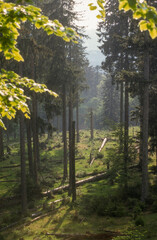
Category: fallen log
<point>92,161</point>
<point>5,176</point>
<point>88,174</point>
<point>11,166</point>
<point>7,181</point>
<point>103,144</point>
<point>97,177</point>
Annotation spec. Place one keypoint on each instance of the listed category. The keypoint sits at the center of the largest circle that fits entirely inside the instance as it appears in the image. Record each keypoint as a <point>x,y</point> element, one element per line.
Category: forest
<point>78,143</point>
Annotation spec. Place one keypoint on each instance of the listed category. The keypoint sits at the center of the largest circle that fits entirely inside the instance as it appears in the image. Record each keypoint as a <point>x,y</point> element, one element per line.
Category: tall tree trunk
<point>91,124</point>
<point>23,165</point>
<point>156,157</point>
<point>35,148</point>
<point>111,101</point>
<point>58,127</point>
<point>70,140</point>
<point>64,119</point>
<point>29,146</point>
<point>141,129</point>
<point>1,144</point>
<point>23,160</point>
<point>35,127</point>
<point>121,117</point>
<point>7,136</point>
<point>126,134</point>
<point>73,183</point>
<point>145,116</point>
<point>77,118</point>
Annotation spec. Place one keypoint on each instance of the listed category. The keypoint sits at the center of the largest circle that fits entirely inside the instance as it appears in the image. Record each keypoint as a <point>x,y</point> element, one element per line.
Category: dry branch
<point>103,144</point>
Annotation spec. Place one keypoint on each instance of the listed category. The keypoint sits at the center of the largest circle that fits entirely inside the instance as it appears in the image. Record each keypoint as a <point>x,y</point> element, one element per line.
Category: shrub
<point>131,235</point>
<point>154,206</point>
<point>100,155</point>
<point>102,205</point>
<point>1,237</point>
<point>139,221</point>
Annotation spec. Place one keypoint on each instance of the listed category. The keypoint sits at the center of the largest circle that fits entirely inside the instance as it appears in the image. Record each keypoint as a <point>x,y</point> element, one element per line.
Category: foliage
<point>141,11</point>
<point>131,235</point>
<point>12,18</point>
<point>12,97</point>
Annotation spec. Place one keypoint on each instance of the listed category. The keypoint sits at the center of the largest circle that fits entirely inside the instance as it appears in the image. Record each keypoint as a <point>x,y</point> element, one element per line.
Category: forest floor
<point>101,210</point>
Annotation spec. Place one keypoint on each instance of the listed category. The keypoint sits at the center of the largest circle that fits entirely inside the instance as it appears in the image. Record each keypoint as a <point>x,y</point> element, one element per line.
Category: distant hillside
<point>95,57</point>
<point>94,54</point>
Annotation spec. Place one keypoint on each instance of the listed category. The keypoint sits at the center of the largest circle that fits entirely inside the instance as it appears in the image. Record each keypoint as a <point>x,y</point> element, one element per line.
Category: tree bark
<point>145,190</point>
<point>70,140</point>
<point>23,165</point>
<point>1,144</point>
<point>77,118</point>
<point>73,185</point>
<point>126,135</point>
<point>29,146</point>
<point>35,148</point>
<point>121,117</point>
<point>64,119</point>
<point>91,124</point>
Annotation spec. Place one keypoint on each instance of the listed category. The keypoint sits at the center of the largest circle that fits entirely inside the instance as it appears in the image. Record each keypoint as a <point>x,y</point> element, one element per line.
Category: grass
<point>103,196</point>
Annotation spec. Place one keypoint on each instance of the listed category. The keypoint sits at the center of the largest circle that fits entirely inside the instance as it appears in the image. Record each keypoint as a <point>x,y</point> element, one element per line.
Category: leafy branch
<point>142,11</point>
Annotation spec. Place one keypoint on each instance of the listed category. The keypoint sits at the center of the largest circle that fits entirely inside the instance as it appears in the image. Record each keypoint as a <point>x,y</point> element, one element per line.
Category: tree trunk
<point>91,124</point>
<point>35,147</point>
<point>126,135</point>
<point>156,157</point>
<point>64,119</point>
<point>70,140</point>
<point>1,144</point>
<point>141,129</point>
<point>29,147</point>
<point>121,118</point>
<point>7,137</point>
<point>73,184</point>
<point>23,165</point>
<point>145,116</point>
<point>77,118</point>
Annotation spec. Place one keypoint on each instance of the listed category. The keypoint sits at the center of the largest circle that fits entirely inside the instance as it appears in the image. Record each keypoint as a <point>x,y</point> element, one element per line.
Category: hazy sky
<point>89,21</point>
<point>89,17</point>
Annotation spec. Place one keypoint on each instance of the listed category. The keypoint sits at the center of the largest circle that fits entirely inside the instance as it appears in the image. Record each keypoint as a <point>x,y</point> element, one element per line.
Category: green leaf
<point>100,4</point>
<point>143,24</point>
<point>93,8</point>
<point>132,4</point>
<point>153,33</point>
<point>99,16</point>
